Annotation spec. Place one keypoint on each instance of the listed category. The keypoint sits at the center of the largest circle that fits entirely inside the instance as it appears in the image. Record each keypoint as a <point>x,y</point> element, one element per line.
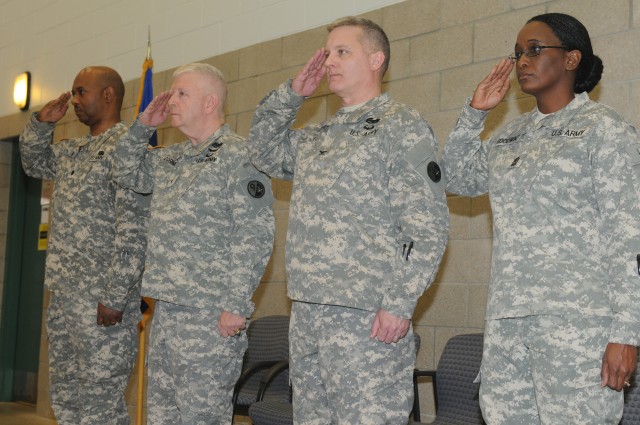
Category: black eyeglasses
<point>531,52</point>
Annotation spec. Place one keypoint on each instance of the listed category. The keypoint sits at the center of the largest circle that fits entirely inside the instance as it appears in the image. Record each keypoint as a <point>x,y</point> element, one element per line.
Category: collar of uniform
<point>196,150</point>
<point>343,117</point>
<point>558,118</point>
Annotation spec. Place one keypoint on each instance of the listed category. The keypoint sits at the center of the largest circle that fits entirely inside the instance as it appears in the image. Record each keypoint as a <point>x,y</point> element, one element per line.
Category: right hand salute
<point>55,109</point>
<point>494,87</point>
<point>157,111</point>
<point>308,79</point>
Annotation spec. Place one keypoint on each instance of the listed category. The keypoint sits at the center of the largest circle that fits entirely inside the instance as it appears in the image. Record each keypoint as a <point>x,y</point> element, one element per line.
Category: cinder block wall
<point>440,50</point>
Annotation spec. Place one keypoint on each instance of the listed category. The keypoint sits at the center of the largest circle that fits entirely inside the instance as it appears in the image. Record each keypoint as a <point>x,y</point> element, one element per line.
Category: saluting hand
<point>55,109</point>
<point>157,111</point>
<point>309,77</point>
<point>494,87</point>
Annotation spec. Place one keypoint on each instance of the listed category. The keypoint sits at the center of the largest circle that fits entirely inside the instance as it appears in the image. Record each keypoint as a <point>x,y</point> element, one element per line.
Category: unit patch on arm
<point>255,188</point>
<point>433,171</point>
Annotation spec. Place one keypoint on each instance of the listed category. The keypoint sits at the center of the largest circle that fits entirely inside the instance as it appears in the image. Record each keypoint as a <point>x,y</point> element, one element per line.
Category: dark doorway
<point>20,328</point>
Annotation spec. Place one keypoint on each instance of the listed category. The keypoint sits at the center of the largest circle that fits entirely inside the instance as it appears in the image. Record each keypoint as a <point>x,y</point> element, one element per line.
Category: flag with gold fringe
<point>145,95</point>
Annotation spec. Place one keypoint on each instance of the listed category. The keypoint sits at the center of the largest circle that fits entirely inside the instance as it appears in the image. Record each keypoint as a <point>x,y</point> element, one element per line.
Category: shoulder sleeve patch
<point>256,189</point>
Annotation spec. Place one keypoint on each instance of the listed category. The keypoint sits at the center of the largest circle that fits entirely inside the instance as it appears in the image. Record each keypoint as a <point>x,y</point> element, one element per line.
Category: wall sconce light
<point>22,90</point>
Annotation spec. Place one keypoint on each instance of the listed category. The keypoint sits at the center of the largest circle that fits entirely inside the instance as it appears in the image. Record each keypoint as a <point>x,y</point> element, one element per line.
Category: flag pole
<point>149,42</point>
<point>143,325</point>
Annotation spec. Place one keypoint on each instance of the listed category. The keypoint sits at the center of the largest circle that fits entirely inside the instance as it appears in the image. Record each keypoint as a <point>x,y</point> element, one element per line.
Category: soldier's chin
<point>83,119</point>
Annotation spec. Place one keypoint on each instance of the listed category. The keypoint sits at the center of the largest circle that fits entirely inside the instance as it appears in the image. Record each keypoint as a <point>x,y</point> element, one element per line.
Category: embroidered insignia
<point>371,123</point>
<point>170,160</point>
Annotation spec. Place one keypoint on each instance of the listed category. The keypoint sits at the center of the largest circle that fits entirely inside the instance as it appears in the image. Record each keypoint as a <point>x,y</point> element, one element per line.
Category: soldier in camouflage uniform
<point>210,236</point>
<point>95,255</point>
<point>562,322</point>
<point>367,229</point>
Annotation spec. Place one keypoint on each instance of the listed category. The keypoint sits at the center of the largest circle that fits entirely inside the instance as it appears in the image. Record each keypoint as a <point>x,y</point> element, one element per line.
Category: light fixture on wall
<point>22,90</point>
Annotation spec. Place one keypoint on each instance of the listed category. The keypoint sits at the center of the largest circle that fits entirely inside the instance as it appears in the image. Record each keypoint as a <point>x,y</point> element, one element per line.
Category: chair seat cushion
<point>272,412</point>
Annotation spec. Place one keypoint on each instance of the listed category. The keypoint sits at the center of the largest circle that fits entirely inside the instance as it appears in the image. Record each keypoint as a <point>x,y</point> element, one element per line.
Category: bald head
<point>107,77</point>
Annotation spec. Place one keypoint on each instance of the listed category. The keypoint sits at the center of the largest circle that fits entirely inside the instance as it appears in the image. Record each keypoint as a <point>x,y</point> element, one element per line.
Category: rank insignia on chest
<point>256,188</point>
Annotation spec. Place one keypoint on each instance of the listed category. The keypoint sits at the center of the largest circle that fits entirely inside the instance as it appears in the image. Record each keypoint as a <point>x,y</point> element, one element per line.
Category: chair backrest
<point>457,369</point>
<point>268,340</point>
<point>631,413</point>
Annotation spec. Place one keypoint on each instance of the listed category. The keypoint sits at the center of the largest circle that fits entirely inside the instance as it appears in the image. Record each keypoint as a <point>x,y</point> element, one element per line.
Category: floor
<point>25,414</point>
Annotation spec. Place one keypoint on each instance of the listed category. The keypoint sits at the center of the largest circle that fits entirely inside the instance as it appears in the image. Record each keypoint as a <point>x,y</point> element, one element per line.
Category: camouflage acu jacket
<point>368,220</point>
<point>211,227</point>
<point>566,211</point>
<point>97,237</point>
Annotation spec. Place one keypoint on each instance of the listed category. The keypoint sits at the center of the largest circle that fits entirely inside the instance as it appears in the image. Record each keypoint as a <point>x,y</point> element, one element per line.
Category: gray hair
<point>204,68</point>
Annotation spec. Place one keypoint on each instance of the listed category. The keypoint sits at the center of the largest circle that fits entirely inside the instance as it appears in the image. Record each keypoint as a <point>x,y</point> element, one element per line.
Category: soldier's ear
<point>108,94</point>
<point>376,60</point>
<point>212,102</point>
<point>573,60</point>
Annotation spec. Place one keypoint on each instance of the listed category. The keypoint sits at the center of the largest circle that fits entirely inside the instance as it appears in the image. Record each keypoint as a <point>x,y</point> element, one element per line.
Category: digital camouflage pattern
<point>564,196</point>
<point>89,365</point>
<point>210,235</point>
<point>201,383</point>
<point>367,187</point>
<point>97,235</point>
<point>95,254</point>
<point>368,224</point>
<point>333,342</point>
<point>566,212</point>
<point>545,369</point>
<point>211,227</point>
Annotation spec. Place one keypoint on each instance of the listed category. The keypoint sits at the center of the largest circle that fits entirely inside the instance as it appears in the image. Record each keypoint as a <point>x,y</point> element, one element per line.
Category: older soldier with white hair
<point>210,236</point>
<point>367,229</point>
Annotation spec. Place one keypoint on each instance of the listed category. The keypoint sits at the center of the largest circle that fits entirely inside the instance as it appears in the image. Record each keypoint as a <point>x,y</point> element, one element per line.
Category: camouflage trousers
<point>340,375</point>
<point>546,370</point>
<point>192,369</point>
<point>89,365</point>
